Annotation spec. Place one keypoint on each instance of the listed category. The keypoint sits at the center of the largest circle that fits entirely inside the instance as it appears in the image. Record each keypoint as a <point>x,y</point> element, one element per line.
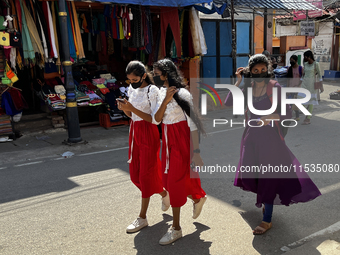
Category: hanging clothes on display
<point>33,33</point>
<point>77,32</point>
<point>200,47</point>
<point>137,39</point>
<point>54,21</point>
<point>29,53</point>
<point>169,17</point>
<point>72,47</point>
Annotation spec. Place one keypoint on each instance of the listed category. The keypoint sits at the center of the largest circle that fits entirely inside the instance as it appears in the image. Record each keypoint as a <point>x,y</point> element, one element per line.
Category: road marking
<point>59,158</point>
<point>27,164</point>
<point>98,152</point>
<point>3,168</point>
<point>330,188</point>
<point>226,130</point>
<point>331,229</point>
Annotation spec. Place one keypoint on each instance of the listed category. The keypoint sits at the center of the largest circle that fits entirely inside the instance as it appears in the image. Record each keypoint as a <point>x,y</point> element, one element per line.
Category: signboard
<point>301,15</point>
<point>307,28</point>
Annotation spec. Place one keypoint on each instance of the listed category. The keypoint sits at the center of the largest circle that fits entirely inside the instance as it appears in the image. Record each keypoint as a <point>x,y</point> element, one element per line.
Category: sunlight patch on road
<point>100,177</point>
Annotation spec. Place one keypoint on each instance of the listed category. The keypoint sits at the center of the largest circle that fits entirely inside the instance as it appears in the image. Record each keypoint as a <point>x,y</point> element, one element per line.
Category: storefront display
<point>103,38</point>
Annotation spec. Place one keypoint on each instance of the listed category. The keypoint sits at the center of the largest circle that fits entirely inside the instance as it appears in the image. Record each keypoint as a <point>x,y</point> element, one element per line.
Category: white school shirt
<point>143,101</point>
<point>174,114</point>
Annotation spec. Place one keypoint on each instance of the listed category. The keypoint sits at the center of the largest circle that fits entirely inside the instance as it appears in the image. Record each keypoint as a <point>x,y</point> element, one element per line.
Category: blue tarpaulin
<point>168,3</point>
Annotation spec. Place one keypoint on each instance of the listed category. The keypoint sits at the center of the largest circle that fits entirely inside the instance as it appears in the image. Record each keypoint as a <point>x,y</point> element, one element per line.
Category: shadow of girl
<point>146,241</point>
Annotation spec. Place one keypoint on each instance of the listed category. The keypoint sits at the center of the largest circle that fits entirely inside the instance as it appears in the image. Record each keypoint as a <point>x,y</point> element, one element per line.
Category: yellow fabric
<point>19,60</point>
<point>77,32</point>
<point>121,30</point>
<point>73,31</point>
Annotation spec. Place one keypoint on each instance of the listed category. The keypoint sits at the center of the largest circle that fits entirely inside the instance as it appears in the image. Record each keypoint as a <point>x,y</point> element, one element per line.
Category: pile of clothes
<point>53,93</point>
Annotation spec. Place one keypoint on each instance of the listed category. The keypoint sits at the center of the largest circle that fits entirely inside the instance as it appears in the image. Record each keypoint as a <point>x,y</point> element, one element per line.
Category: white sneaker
<point>198,207</point>
<point>165,202</point>
<point>137,225</point>
<point>171,236</point>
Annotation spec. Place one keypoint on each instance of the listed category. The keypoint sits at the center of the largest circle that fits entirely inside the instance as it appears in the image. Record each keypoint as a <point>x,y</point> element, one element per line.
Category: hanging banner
<point>301,15</point>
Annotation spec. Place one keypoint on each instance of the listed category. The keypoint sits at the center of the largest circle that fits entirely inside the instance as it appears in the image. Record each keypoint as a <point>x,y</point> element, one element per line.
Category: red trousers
<point>145,166</point>
<point>169,17</point>
<point>179,180</point>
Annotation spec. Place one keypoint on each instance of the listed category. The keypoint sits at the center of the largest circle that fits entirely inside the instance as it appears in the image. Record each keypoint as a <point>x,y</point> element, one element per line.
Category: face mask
<point>292,63</point>
<point>136,85</point>
<point>260,77</point>
<point>158,81</point>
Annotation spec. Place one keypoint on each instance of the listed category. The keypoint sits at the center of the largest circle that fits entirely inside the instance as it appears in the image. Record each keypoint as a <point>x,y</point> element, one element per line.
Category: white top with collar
<point>174,113</point>
<point>140,99</point>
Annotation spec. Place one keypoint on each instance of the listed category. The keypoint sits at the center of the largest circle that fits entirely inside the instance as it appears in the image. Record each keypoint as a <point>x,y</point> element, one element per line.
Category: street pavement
<point>82,205</point>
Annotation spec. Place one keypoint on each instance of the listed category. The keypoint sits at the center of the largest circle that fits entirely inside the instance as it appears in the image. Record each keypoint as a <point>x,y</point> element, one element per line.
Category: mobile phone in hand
<point>121,100</point>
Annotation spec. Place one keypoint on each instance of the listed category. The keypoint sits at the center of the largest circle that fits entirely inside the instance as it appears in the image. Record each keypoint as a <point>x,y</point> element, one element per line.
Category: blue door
<point>218,63</point>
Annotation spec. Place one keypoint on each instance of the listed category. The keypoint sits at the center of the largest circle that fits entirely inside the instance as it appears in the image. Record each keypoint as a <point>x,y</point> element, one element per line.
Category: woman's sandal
<point>262,228</point>
<point>306,122</point>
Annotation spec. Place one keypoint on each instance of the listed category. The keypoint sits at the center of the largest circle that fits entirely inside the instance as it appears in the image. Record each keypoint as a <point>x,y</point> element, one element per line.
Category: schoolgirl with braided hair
<point>180,144</point>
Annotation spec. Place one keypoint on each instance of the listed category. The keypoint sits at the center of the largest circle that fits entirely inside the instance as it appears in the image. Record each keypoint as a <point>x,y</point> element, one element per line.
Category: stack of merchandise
<point>5,125</point>
<point>86,95</point>
<point>52,99</point>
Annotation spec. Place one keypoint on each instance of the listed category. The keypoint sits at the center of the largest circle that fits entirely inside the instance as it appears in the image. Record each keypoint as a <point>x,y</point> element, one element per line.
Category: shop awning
<point>165,3</point>
<point>273,4</point>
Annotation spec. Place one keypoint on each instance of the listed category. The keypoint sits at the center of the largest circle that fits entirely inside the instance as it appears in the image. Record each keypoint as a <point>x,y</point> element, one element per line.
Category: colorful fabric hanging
<point>52,34</point>
<point>77,32</point>
<point>73,53</point>
<point>54,20</point>
<point>26,40</point>
<point>72,27</point>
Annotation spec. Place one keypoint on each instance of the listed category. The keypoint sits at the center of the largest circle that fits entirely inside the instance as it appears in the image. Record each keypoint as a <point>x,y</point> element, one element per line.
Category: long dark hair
<point>253,61</point>
<point>175,78</point>
<point>137,68</point>
<point>309,54</point>
<point>290,69</point>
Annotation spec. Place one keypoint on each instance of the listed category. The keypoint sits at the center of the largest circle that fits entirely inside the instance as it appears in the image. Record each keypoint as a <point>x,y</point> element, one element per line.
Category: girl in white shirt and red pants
<point>179,151</point>
<point>144,140</point>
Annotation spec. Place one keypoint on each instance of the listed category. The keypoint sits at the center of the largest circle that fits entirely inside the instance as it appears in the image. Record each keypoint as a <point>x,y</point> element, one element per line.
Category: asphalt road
<point>83,204</point>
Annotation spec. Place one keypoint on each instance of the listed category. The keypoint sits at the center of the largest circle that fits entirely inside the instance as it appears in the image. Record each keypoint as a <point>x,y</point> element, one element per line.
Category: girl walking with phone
<point>144,142</point>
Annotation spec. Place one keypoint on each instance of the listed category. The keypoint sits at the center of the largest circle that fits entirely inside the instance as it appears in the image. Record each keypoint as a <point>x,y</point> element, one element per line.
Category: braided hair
<point>175,78</point>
